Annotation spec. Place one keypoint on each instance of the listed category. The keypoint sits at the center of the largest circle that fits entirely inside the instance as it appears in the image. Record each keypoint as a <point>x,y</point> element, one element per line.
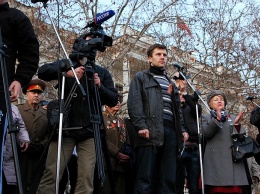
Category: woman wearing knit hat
<point>221,174</point>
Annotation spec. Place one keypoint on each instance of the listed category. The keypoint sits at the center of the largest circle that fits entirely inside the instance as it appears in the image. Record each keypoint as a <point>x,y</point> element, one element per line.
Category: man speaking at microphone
<point>154,108</point>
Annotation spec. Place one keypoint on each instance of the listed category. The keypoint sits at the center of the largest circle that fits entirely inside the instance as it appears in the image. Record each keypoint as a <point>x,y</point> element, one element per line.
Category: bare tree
<point>219,46</point>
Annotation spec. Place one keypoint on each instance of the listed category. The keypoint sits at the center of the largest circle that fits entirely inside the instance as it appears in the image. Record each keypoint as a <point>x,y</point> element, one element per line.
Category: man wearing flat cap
<point>36,122</point>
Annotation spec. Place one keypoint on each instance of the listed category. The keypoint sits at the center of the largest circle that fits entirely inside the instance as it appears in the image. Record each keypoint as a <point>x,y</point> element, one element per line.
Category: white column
<point>126,78</point>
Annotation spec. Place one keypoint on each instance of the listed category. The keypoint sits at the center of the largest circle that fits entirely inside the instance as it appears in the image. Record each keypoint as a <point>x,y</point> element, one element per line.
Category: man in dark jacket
<point>22,45</point>
<point>189,160</point>
<point>79,117</point>
<point>255,120</point>
<point>154,109</point>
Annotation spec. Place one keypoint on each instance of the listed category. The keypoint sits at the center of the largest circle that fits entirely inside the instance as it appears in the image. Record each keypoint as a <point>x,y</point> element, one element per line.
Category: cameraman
<point>79,116</point>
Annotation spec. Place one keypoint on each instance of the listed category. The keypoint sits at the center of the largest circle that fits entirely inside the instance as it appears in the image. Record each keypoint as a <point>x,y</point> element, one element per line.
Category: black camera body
<point>97,32</point>
<point>88,48</point>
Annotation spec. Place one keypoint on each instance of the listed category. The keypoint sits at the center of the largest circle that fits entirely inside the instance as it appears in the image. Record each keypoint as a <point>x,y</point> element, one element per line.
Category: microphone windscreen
<point>100,18</point>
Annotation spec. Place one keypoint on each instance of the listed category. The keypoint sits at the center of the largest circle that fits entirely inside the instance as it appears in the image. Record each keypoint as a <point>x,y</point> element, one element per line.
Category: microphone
<point>36,1</point>
<point>251,98</point>
<point>178,66</point>
<point>101,17</point>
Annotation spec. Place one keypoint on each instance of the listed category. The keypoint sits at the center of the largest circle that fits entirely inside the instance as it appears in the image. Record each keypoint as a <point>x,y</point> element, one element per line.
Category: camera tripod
<point>95,117</point>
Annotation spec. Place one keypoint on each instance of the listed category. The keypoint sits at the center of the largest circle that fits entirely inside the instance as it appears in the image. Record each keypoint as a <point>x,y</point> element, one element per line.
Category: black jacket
<point>255,117</point>
<point>19,37</point>
<point>79,115</point>
<point>255,120</point>
<point>145,108</point>
<point>190,118</point>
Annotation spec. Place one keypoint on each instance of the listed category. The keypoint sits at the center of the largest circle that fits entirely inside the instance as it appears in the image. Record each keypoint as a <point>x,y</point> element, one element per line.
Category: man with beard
<point>36,122</point>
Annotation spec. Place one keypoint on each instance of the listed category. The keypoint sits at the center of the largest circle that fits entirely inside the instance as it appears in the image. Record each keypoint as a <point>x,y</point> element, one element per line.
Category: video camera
<point>98,42</point>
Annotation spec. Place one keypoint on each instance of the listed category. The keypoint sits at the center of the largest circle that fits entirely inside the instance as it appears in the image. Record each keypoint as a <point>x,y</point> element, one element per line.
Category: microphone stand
<point>255,103</point>
<point>11,127</point>
<point>198,127</point>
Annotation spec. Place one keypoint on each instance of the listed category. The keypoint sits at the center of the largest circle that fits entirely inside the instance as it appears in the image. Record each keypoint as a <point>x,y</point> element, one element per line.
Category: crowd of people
<point>152,152</point>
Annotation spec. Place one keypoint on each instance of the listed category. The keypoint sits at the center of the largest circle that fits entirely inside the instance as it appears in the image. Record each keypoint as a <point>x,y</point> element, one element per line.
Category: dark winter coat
<point>79,115</point>
<point>145,108</point>
<point>255,117</point>
<point>255,120</point>
<point>190,118</point>
<point>19,37</point>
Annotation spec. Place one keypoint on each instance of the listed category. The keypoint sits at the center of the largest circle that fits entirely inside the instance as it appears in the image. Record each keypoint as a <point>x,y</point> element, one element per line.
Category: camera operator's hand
<point>79,72</point>
<point>97,80</point>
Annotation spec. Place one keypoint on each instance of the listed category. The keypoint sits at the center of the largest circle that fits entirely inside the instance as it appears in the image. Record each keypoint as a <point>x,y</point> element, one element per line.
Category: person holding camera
<point>79,115</point>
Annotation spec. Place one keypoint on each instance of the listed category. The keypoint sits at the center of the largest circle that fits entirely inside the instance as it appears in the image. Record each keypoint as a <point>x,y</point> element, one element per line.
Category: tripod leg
<point>108,164</point>
<point>2,139</point>
<point>11,127</point>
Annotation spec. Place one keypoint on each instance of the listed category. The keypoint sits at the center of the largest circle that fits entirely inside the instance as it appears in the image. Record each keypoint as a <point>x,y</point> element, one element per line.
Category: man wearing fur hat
<point>36,122</point>
<point>221,173</point>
